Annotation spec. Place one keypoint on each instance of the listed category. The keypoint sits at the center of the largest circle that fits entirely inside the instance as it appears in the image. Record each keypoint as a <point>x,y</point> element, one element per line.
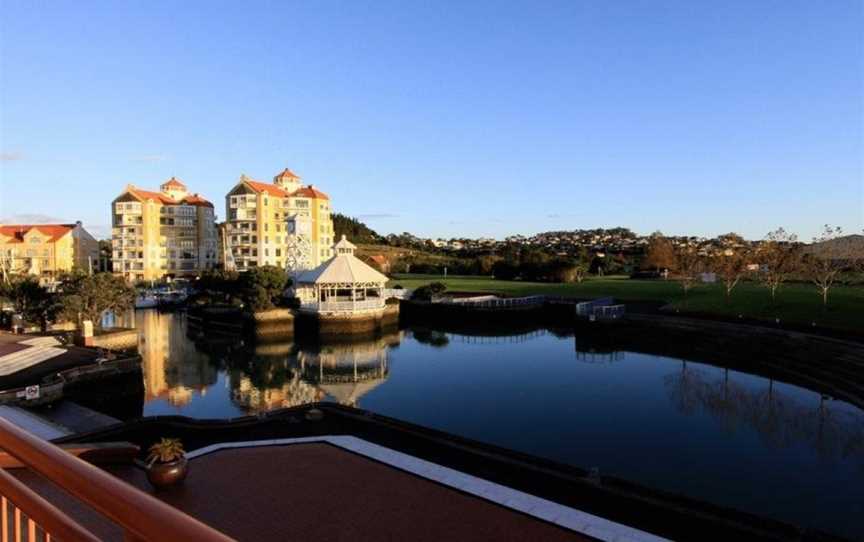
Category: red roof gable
<point>309,192</point>
<point>174,182</point>
<point>18,231</point>
<point>194,199</point>
<point>286,173</point>
<point>271,189</point>
<point>197,200</point>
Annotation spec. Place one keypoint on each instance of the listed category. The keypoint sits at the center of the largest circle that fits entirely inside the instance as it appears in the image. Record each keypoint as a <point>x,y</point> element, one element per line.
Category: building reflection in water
<point>174,370</point>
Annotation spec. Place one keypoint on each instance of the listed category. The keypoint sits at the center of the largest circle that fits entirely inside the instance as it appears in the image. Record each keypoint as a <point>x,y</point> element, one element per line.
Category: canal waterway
<point>724,436</point>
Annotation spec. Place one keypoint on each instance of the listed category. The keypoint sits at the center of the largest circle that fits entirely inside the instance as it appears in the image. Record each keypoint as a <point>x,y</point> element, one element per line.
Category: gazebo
<point>342,284</point>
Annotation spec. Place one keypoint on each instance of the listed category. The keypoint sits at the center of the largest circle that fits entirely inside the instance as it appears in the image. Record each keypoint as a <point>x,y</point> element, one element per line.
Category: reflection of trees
<point>423,335</point>
<point>781,420</point>
<point>596,348</point>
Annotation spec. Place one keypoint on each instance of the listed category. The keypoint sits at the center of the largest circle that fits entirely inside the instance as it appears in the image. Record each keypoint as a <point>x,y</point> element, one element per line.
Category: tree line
<point>775,260</point>
<point>75,297</point>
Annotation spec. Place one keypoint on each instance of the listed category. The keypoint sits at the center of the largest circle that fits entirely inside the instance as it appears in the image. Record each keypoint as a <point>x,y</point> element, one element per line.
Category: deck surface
<point>321,492</point>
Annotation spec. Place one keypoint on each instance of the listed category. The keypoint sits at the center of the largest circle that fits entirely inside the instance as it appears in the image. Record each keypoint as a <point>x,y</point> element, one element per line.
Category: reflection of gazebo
<point>348,393</point>
<point>347,372</point>
<point>342,284</point>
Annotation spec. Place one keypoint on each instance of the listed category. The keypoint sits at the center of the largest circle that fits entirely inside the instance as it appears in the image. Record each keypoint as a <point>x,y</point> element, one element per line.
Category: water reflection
<point>180,364</point>
<point>831,428</point>
<point>587,399</point>
<point>174,369</point>
<point>278,375</point>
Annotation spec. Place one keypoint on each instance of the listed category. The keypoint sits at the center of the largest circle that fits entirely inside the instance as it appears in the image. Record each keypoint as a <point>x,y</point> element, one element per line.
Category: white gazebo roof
<point>342,269</point>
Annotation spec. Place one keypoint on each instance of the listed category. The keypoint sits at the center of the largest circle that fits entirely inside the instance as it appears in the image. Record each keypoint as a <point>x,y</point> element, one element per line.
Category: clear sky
<point>462,118</point>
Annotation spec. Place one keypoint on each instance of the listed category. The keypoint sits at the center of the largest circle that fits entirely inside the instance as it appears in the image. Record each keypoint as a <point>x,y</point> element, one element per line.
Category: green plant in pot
<point>166,463</point>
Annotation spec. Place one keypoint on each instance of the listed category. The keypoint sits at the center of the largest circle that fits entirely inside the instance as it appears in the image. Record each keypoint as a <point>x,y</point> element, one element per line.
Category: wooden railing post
<point>140,515</point>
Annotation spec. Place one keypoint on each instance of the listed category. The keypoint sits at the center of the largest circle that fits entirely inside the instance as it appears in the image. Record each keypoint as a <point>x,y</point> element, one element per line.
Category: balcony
<point>27,514</point>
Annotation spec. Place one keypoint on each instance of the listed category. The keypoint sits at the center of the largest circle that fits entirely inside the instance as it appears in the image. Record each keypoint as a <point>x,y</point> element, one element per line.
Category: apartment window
<point>266,227</point>
<point>266,252</point>
<point>278,252</point>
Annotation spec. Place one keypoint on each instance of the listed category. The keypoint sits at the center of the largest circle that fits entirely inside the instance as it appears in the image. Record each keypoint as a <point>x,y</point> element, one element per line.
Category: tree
<point>262,287</point>
<point>827,257</point>
<point>583,262</point>
<point>505,270</point>
<point>690,265</point>
<point>429,291</point>
<point>661,253</point>
<point>564,270</point>
<point>219,285</point>
<point>731,266</point>
<point>355,231</point>
<point>32,300</point>
<point>87,297</point>
<point>778,257</point>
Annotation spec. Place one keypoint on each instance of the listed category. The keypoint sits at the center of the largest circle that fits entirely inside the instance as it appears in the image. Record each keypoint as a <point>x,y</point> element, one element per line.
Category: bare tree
<point>690,265</point>
<point>730,264</point>
<point>778,257</point>
<point>827,257</point>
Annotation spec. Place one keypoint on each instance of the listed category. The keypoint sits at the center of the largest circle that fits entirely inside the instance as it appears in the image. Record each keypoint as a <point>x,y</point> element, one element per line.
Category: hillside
<point>356,231</point>
<point>848,244</point>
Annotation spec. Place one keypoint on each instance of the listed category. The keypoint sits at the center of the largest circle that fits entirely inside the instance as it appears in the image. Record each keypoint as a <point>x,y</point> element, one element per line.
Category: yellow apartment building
<point>282,223</point>
<point>46,250</point>
<point>170,233</point>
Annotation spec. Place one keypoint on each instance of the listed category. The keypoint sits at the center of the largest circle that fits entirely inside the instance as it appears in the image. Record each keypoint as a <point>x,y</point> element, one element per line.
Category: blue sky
<point>446,118</point>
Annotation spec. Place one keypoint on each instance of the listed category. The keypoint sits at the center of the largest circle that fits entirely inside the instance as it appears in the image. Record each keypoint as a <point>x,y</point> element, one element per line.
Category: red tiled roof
<point>147,194</point>
<point>173,181</point>
<point>194,199</point>
<point>18,231</point>
<point>309,192</point>
<point>286,173</point>
<point>271,189</point>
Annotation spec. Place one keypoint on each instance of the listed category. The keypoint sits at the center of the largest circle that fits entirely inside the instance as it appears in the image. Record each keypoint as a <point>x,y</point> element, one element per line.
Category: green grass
<point>797,303</point>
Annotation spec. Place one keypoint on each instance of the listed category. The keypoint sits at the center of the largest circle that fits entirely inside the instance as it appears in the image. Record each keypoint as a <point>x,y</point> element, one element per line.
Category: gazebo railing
<point>336,306</point>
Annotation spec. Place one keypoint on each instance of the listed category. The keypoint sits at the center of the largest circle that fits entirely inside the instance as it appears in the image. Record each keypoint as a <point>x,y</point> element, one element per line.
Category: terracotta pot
<point>163,475</point>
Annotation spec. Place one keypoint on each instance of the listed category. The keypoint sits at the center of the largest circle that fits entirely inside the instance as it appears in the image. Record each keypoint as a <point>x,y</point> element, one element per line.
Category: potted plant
<point>167,464</point>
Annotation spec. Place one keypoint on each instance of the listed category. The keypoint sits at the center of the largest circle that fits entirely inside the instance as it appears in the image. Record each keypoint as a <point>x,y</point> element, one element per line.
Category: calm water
<point>727,437</point>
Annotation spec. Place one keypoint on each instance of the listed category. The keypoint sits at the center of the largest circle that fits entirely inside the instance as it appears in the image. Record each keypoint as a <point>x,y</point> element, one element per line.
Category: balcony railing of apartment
<point>139,515</point>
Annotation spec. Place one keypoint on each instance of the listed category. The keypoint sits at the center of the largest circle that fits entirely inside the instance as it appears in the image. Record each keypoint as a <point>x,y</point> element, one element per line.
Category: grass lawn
<point>796,302</point>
